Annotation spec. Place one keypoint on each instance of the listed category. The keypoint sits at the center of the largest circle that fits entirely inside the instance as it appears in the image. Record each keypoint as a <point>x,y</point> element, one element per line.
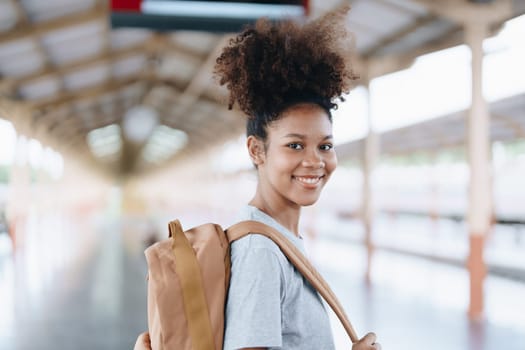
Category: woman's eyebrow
<point>300,136</point>
<point>293,135</point>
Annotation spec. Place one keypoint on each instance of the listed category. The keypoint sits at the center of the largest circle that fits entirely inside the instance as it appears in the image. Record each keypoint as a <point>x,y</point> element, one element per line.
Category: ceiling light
<point>139,122</point>
<point>164,143</point>
<point>105,142</point>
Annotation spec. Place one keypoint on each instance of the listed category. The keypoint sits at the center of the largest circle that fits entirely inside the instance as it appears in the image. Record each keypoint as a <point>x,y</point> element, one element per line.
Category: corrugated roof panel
<point>122,38</point>
<point>39,10</point>
<point>108,98</point>
<point>364,40</point>
<point>66,35</point>
<point>41,88</point>
<point>381,18</point>
<point>81,49</point>
<point>19,58</point>
<point>161,95</point>
<point>86,77</point>
<point>127,104</point>
<point>507,123</point>
<point>15,49</point>
<point>409,6</point>
<point>216,92</point>
<point>519,6</point>
<point>131,92</point>
<point>109,108</point>
<point>424,34</point>
<point>205,109</point>
<point>83,106</point>
<point>318,8</point>
<point>430,32</point>
<point>87,116</point>
<point>21,66</point>
<point>73,43</point>
<point>128,66</point>
<point>503,134</point>
<point>199,42</point>
<point>178,66</point>
<point>8,16</point>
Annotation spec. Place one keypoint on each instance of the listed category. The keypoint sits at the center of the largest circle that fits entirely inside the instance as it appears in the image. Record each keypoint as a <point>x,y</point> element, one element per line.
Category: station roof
<point>65,72</point>
<point>507,123</point>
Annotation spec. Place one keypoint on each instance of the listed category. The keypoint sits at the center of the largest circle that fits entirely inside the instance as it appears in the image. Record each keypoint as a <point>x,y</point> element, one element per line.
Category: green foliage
<point>515,148</point>
<point>4,174</point>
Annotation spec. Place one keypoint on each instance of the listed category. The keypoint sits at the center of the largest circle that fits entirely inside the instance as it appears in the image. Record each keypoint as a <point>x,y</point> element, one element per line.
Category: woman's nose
<point>313,160</point>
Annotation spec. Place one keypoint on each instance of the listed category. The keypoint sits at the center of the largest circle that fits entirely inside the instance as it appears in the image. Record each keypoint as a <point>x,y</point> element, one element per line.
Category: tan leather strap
<point>195,305</point>
<point>295,256</point>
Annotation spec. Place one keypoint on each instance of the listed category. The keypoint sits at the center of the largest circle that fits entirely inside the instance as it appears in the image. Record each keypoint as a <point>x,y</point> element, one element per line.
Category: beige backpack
<point>188,282</point>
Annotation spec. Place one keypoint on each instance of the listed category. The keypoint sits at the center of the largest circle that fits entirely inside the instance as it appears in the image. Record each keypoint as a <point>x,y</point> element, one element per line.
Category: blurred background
<point>111,125</point>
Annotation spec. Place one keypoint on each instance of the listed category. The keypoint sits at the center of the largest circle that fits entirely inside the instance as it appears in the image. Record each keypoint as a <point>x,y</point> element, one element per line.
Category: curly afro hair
<point>271,66</point>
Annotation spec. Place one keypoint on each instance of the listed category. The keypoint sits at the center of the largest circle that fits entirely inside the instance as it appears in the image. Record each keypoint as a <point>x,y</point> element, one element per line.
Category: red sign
<point>125,5</point>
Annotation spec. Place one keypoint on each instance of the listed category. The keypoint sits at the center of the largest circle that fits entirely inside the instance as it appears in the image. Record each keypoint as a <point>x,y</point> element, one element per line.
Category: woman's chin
<point>306,202</point>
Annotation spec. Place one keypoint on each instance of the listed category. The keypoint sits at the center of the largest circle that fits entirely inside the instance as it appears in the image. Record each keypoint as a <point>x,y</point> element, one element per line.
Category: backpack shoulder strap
<point>193,296</point>
<point>302,264</point>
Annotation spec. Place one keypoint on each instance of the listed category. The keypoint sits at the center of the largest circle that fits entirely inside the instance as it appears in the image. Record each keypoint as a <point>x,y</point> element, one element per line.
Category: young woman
<point>285,77</point>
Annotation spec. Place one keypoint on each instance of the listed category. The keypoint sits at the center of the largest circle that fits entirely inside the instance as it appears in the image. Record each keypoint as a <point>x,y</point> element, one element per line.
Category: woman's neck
<point>285,214</point>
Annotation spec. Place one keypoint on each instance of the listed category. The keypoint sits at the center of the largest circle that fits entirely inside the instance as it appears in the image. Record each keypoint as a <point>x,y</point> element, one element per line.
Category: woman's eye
<point>296,146</point>
<point>326,147</point>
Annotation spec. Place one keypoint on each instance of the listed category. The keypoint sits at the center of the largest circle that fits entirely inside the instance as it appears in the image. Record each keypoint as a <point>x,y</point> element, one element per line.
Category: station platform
<point>80,283</point>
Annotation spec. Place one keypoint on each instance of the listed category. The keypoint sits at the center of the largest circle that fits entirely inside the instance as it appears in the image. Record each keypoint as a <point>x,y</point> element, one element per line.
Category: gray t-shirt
<point>269,303</point>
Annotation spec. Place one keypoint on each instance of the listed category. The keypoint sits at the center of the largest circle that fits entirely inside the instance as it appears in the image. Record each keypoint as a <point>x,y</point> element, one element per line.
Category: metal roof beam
<point>462,11</point>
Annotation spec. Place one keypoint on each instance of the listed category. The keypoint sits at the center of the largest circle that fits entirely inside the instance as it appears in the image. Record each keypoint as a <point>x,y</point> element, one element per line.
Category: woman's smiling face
<point>298,156</point>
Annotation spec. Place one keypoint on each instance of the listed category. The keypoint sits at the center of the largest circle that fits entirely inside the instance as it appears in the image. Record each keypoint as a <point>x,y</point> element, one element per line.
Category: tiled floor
<point>83,287</point>
<point>420,304</point>
<point>94,301</point>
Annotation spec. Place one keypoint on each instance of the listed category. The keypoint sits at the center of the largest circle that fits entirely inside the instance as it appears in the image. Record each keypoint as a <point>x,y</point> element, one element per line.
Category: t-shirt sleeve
<point>253,308</point>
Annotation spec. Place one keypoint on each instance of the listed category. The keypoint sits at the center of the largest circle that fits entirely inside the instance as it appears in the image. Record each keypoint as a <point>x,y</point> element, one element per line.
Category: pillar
<point>369,159</point>
<point>480,196</point>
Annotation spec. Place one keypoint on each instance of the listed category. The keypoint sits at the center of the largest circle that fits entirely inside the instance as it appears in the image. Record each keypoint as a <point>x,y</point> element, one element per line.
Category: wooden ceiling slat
<point>462,11</point>
<point>517,127</point>
<point>395,37</point>
<point>86,93</point>
<point>397,7</point>
<point>201,80</point>
<point>379,66</point>
<point>37,29</point>
<point>106,56</point>
<point>48,65</point>
<point>10,84</point>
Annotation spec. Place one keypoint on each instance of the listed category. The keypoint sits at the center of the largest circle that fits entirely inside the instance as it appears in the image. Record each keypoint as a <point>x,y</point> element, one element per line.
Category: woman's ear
<point>255,149</point>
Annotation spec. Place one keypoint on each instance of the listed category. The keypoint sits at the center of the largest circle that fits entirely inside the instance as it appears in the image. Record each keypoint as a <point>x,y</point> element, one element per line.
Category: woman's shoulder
<point>253,242</point>
<point>255,256</point>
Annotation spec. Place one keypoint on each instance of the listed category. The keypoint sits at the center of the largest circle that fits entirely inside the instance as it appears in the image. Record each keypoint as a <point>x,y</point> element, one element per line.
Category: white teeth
<point>308,180</point>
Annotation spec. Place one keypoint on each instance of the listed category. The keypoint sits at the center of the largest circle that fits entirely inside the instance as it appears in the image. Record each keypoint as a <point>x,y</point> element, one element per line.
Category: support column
<point>370,156</point>
<point>480,196</point>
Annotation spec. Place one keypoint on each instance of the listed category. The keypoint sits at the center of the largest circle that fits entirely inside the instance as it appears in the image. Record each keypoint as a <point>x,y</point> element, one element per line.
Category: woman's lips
<point>309,181</point>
